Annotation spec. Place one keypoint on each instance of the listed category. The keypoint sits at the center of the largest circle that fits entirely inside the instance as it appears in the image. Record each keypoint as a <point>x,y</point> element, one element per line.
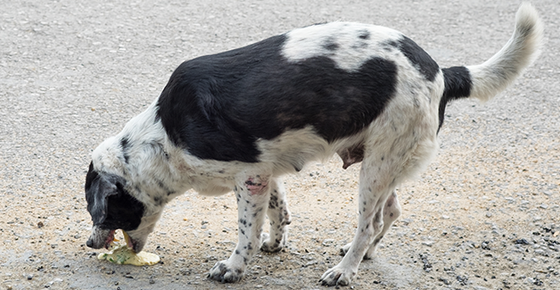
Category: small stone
<point>521,242</point>
<point>445,281</point>
<point>488,214</point>
<point>428,243</point>
<point>328,242</point>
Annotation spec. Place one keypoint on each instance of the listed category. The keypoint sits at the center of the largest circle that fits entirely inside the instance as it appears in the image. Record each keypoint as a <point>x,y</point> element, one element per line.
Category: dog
<point>241,119</point>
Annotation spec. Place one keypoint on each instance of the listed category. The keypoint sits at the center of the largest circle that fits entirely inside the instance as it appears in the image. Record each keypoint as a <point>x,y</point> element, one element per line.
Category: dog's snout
<point>89,243</point>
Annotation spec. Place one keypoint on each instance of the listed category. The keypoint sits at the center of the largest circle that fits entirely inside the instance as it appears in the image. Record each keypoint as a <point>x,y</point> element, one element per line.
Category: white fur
<point>494,75</point>
<point>308,42</point>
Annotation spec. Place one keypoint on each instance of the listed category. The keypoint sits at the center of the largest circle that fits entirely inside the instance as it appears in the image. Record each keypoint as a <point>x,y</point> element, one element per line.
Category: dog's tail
<point>486,80</point>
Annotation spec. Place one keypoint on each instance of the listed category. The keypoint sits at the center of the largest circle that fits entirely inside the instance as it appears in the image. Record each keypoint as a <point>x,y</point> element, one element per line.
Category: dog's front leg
<point>253,196</point>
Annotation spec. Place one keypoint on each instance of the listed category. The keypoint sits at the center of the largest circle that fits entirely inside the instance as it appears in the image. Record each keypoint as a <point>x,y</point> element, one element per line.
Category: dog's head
<point>112,207</point>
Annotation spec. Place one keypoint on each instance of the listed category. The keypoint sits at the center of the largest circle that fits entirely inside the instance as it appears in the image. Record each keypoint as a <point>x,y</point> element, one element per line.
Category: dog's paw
<point>270,246</point>
<point>225,273</point>
<point>344,249</point>
<point>337,276</point>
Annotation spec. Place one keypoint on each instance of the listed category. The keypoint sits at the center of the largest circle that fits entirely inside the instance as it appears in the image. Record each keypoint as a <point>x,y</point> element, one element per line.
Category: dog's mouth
<point>106,239</point>
<point>109,239</point>
<point>130,242</point>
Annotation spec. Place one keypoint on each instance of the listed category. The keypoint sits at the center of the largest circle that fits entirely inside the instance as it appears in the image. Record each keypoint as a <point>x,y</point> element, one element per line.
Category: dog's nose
<point>89,243</point>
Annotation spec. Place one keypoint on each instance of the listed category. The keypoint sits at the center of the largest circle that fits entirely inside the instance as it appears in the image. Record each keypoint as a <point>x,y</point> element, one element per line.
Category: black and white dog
<point>241,119</point>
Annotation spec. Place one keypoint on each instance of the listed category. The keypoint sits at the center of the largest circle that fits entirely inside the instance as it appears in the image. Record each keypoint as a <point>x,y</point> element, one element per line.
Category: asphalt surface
<point>72,73</point>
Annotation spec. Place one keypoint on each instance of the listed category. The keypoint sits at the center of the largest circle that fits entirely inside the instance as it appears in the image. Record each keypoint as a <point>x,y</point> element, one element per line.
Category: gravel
<point>483,216</point>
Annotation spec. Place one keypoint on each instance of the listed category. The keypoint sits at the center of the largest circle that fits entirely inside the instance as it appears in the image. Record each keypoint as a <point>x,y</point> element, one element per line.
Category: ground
<point>484,215</point>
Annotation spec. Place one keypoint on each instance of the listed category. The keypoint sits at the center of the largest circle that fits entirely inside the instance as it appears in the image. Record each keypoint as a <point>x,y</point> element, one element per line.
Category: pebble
<point>521,242</point>
<point>428,243</point>
<point>328,242</point>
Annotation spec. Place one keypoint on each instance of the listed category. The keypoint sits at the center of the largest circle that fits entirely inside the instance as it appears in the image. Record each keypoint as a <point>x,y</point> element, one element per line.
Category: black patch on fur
<point>419,58</point>
<point>389,45</point>
<point>364,34</point>
<point>124,146</point>
<point>217,106</point>
<point>330,45</point>
<point>109,204</point>
<point>458,84</point>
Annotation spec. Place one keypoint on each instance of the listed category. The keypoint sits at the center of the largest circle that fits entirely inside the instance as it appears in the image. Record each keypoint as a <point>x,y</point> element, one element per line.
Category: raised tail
<point>486,80</point>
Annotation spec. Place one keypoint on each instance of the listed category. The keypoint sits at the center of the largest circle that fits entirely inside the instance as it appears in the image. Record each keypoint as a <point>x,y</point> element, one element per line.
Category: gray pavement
<point>73,72</point>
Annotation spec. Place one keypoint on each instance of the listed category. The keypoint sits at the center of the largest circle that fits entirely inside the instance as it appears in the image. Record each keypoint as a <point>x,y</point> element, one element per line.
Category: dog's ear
<point>98,188</point>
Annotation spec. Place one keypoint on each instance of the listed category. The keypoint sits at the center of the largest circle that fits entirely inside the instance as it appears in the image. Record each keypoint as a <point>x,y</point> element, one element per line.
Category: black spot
<point>458,84</point>
<point>273,202</point>
<point>125,145</point>
<point>364,34</point>
<point>158,200</point>
<point>330,45</point>
<point>390,45</point>
<point>237,252</point>
<point>217,106</point>
<point>419,58</point>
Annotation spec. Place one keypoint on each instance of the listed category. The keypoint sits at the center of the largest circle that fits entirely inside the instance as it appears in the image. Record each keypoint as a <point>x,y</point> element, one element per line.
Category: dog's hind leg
<point>377,182</point>
<point>279,217</point>
<point>253,194</point>
<point>391,212</point>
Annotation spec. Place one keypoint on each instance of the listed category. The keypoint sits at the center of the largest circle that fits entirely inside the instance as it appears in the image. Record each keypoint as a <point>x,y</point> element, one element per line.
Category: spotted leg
<point>375,188</point>
<point>253,194</point>
<point>391,212</point>
<point>279,217</point>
